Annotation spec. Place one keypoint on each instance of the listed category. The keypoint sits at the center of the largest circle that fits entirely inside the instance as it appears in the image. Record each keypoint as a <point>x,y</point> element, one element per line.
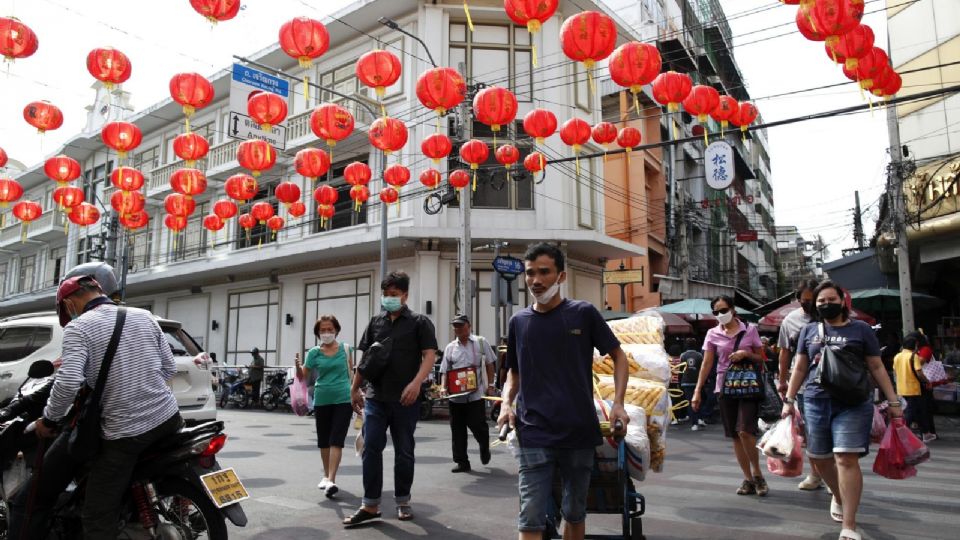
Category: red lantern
<point>881,80</point>
<point>326,195</point>
<point>532,14</point>
<point>850,47</point>
<point>109,66</point>
<point>441,89</point>
<point>871,65</point>
<point>378,69</point>
<point>224,208</point>
<point>507,155</point>
<point>178,204</point>
<point>588,37</point>
<point>213,222</point>
<point>701,101</point>
<point>84,214</point>
<point>275,223</point>
<point>725,111</point>
<point>256,155</point>
<point>127,202</point>
<point>459,179</point>
<point>267,109</point>
<point>539,124</point>
<point>331,123</point>
<point>297,209</point>
<point>68,197</point>
<point>357,174</point>
<point>3,158</point>
<point>534,162</point>
<point>312,163</point>
<point>189,182</point>
<point>241,187</point>
<point>325,212</point>
<point>431,178</point>
<point>135,221</point>
<point>389,195</point>
<point>575,132</point>
<point>216,10</point>
<point>62,169</point>
<point>633,65</point>
<point>126,178</point>
<point>262,211</point>
<point>806,27</point>
<point>287,193</point>
<point>834,18</point>
<point>43,115</point>
<point>192,91</point>
<point>671,88</point>
<point>746,114</point>
<point>474,152</point>
<point>190,147</point>
<point>628,138</point>
<point>10,191</point>
<point>495,107</point>
<point>436,146</point>
<point>27,211</point>
<point>891,86</point>
<point>175,223</point>
<point>304,39</point>
<point>388,134</point>
<point>17,40</point>
<point>604,133</point>
<point>396,175</point>
<point>359,194</point>
<point>121,136</point>
<point>247,222</point>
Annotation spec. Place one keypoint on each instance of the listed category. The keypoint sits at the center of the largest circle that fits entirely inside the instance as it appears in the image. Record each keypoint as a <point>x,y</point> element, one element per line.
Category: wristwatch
<point>789,401</point>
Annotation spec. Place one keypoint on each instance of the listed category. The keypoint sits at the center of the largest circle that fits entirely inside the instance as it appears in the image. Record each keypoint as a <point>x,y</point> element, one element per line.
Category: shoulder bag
<point>743,380</point>
<point>375,359</point>
<point>842,373</point>
<point>84,440</point>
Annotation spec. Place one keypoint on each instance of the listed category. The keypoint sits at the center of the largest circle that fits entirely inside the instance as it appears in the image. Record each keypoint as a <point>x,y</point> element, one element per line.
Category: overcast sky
<point>816,165</point>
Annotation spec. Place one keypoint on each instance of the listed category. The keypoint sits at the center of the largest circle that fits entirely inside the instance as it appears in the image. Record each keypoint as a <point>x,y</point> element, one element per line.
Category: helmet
<point>100,271</point>
<point>68,287</point>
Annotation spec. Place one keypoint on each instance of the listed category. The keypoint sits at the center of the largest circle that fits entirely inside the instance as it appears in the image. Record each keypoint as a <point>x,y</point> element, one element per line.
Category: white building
<point>234,293</point>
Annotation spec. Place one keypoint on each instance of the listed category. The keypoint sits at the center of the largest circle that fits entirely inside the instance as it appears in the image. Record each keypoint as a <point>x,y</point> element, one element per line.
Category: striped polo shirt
<point>136,397</point>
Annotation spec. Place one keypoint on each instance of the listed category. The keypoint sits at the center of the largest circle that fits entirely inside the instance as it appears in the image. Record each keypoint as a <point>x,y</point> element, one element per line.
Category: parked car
<point>38,336</point>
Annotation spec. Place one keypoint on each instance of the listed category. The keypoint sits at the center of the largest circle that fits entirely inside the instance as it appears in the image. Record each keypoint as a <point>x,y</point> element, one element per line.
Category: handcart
<point>610,492</point>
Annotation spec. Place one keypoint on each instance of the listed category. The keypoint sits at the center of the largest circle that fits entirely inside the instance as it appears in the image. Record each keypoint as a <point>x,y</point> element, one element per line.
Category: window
<point>500,55</point>
<point>495,189</point>
<point>347,299</point>
<point>343,80</point>
<point>180,342</point>
<point>95,182</point>
<point>259,234</point>
<point>252,321</point>
<point>19,342</point>
<point>3,278</point>
<point>147,160</point>
<point>55,266</point>
<point>587,183</point>
<point>192,241</point>
<point>28,268</point>
<point>345,215</point>
<point>141,248</point>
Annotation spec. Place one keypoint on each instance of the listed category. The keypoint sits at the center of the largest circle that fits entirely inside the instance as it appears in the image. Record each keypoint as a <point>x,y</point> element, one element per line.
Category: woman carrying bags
<point>837,399</point>
<point>331,363</point>
<point>736,348</point>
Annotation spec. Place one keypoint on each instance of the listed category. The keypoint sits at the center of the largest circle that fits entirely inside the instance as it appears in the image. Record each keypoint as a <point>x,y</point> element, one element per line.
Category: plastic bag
<point>879,426</point>
<point>299,397</point>
<point>639,329</point>
<point>791,465</point>
<point>890,462</point>
<point>637,442</point>
<point>914,451</point>
<point>778,442</point>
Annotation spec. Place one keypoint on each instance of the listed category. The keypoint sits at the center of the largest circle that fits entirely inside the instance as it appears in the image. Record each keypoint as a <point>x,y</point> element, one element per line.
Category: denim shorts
<point>537,466</point>
<point>835,428</point>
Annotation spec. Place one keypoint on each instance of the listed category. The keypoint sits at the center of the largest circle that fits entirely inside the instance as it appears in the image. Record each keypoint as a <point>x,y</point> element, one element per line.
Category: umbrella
<point>886,300</point>
<point>672,324</point>
<point>775,318</point>
<point>700,307</point>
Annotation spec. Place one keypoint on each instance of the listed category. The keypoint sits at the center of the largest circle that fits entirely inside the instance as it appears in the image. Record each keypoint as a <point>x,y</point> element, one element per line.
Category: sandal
<point>747,488</point>
<point>849,534</point>
<point>404,513</point>
<point>361,516</point>
<point>836,510</point>
<point>762,487</point>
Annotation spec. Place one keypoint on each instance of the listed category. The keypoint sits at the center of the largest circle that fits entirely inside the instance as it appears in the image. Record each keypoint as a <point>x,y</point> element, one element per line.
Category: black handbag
<point>743,380</point>
<point>843,373</point>
<point>375,359</point>
<point>84,441</point>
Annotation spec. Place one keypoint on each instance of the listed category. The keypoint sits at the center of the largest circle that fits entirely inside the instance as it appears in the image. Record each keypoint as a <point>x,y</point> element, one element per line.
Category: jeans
<point>688,390</point>
<point>471,415</point>
<point>402,422</point>
<point>836,428</point>
<point>916,414</point>
<point>537,466</point>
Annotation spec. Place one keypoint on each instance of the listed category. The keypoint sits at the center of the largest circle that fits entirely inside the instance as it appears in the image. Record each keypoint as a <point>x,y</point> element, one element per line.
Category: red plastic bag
<point>300,397</point>
<point>879,426</point>
<point>891,462</point>
<point>914,451</point>
<point>793,465</point>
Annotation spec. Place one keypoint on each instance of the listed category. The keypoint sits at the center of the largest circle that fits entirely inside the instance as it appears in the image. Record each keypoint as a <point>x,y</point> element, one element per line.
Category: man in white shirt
<point>470,356</point>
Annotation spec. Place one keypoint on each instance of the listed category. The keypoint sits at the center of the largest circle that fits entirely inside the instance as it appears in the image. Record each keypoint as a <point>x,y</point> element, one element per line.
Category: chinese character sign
<point>718,164</point>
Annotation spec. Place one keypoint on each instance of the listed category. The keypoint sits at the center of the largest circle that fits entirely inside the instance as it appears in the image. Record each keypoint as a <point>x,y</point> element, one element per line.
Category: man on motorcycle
<point>138,407</point>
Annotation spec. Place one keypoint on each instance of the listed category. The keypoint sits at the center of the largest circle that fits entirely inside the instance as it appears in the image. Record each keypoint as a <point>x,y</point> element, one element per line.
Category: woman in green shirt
<point>331,364</point>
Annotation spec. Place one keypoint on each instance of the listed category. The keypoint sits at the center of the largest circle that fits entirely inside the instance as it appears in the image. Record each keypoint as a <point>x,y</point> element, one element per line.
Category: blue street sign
<point>508,267</point>
<point>260,80</point>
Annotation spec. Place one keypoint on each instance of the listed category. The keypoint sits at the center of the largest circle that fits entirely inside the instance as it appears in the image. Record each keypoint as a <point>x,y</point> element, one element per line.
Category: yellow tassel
<point>593,87</point>
<point>23,233</point>
<point>636,103</point>
<point>578,164</point>
<point>628,156</point>
<point>438,124</point>
<point>259,242</point>
<point>474,179</point>
<point>495,140</point>
<point>466,9</point>
<point>383,110</point>
<point>306,91</point>
<point>676,135</point>
<point>533,51</point>
<point>186,122</point>
<point>705,140</point>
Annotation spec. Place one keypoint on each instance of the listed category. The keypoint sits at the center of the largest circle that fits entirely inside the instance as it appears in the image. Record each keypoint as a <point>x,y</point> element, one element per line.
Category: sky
<point>816,165</point>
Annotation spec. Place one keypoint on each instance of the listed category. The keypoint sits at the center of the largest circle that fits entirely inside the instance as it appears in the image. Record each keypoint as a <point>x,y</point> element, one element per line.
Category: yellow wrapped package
<point>638,330</point>
<point>652,397</point>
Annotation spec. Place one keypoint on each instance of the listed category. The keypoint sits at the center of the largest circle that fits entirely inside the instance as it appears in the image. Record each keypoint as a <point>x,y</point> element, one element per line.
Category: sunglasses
<point>723,311</point>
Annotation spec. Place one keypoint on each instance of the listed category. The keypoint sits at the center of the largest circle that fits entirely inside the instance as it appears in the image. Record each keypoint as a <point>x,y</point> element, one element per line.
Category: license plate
<point>224,487</point>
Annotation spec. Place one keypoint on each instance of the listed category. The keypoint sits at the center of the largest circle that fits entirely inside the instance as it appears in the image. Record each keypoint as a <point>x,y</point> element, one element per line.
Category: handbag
<point>83,443</point>
<point>935,373</point>
<point>375,359</point>
<point>743,380</point>
<point>842,373</point>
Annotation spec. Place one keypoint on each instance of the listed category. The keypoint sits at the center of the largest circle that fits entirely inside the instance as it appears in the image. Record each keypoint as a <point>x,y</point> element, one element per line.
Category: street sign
<point>718,161</point>
<point>622,277</point>
<point>747,236</point>
<point>245,82</point>
<point>508,267</point>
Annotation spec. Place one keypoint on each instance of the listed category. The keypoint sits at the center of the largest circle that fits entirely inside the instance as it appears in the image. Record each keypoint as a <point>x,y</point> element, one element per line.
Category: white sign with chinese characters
<point>718,163</point>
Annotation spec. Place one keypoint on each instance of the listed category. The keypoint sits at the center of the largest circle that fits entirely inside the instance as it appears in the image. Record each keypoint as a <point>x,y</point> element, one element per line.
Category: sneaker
<point>928,437</point>
<point>460,468</point>
<point>701,423</point>
<point>695,427</point>
<point>484,455</point>
<point>747,488</point>
<point>761,484</point>
<point>332,490</point>
<point>323,485</point>
<point>674,422</point>
<point>811,483</point>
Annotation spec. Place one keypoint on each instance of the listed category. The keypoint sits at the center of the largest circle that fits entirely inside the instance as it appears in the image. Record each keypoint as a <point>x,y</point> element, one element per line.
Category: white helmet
<point>100,271</point>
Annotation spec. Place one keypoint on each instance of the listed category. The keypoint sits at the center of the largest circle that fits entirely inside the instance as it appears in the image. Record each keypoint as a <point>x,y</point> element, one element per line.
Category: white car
<point>38,336</point>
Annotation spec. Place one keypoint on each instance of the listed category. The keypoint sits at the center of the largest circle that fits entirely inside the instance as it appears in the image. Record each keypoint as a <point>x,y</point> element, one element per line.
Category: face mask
<point>808,308</point>
<point>327,339</point>
<point>829,311</point>
<point>725,318</point>
<point>391,303</point>
<point>547,295</point>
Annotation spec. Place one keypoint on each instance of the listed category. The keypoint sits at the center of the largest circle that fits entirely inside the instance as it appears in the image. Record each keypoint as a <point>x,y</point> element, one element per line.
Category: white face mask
<point>547,295</point>
<point>327,339</point>
<point>725,318</point>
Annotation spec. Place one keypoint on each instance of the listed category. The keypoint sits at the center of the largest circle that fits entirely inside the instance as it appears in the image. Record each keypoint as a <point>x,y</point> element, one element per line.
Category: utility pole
<point>466,291</point>
<point>858,223</point>
<point>684,250</point>
<point>383,222</point>
<point>895,178</point>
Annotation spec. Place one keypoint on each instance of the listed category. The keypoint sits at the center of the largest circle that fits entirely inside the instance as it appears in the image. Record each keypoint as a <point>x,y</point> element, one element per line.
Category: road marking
<point>293,504</point>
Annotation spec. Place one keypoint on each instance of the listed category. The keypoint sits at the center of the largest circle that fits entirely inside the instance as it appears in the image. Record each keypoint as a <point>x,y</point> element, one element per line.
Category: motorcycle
<point>234,388</point>
<point>178,490</point>
<point>277,393</point>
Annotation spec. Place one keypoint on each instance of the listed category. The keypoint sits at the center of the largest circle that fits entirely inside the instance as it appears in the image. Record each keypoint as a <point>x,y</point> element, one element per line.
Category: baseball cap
<point>66,288</point>
<point>460,319</point>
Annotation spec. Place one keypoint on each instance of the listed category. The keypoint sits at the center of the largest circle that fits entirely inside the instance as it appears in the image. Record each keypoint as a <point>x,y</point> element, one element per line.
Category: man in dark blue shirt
<point>549,357</point>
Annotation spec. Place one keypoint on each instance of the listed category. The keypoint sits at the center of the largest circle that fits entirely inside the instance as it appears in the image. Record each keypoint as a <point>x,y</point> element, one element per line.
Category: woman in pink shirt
<point>739,416</point>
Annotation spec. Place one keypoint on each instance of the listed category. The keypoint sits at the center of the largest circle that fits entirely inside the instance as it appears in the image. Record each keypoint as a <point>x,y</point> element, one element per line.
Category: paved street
<point>276,456</point>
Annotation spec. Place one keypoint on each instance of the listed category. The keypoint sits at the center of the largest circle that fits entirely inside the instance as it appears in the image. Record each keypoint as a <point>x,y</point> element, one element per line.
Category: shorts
<point>739,416</point>
<point>537,466</point>
<point>333,421</point>
<point>836,428</point>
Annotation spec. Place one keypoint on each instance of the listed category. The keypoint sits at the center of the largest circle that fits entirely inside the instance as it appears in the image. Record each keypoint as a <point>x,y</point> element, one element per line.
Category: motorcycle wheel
<point>190,511</point>
<point>244,399</point>
<point>268,401</point>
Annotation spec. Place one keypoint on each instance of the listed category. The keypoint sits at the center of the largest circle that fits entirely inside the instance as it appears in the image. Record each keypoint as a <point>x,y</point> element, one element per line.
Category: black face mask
<point>829,311</point>
<point>808,308</point>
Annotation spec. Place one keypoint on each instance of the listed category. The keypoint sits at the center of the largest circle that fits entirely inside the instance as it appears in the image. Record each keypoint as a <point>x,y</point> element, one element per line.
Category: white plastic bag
<point>637,443</point>
<point>778,442</point>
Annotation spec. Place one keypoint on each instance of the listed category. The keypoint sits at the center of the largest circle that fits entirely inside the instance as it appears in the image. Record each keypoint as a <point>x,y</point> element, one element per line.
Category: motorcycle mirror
<point>40,369</point>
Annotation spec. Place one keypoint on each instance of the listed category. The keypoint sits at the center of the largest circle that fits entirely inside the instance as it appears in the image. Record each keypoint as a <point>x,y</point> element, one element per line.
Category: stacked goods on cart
<point>640,330</point>
<point>652,397</point>
<point>648,362</point>
<point>636,441</point>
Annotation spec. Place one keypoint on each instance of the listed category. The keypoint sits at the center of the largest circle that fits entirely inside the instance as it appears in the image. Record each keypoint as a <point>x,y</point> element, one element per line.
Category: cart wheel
<point>636,529</point>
